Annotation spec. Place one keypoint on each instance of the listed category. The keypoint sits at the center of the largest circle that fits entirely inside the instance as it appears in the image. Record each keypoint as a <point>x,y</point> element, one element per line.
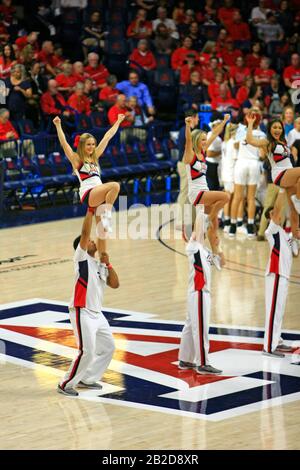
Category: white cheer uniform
<point>280,160</point>
<point>276,286</point>
<point>92,331</point>
<point>229,157</point>
<point>89,177</point>
<point>194,345</point>
<point>196,176</point>
<point>247,168</point>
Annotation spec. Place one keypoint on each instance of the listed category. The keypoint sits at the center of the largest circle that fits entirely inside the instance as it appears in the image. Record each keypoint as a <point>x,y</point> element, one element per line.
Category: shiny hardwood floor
<point>153,279</point>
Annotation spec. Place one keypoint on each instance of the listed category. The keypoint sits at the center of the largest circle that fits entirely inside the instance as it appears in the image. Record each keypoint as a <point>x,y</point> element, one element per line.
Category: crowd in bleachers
<point>73,56</point>
<point>152,60</point>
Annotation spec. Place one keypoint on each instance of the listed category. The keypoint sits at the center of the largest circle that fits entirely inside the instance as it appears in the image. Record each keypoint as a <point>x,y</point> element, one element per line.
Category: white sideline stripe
<point>217,389</point>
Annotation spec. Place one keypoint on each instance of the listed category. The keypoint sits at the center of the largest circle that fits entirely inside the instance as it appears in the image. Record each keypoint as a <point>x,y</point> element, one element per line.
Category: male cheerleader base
<point>93,334</point>
<point>194,345</point>
<point>277,277</point>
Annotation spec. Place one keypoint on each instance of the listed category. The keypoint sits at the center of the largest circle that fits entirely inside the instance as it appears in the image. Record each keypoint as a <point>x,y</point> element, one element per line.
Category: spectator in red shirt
<point>7,130</point>
<point>95,70</point>
<point>239,31</point>
<point>143,56</point>
<point>292,72</point>
<point>238,72</point>
<point>78,71</point>
<point>7,12</point>
<point>230,54</point>
<point>52,102</point>
<point>140,28</point>
<point>178,14</point>
<point>108,95</point>
<point>179,55</point>
<point>91,92</point>
<point>48,58</point>
<point>244,91</point>
<point>66,80</point>
<point>214,87</point>
<point>58,53</point>
<point>7,60</point>
<point>209,72</point>
<point>225,13</point>
<point>31,39</point>
<point>79,101</point>
<point>223,103</point>
<point>263,74</point>
<point>253,59</point>
<point>120,108</point>
<point>192,65</point>
<point>209,50</point>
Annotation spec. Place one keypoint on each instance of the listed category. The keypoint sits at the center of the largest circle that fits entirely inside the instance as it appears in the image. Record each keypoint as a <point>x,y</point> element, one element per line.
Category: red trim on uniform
<point>279,177</point>
<point>85,176</point>
<point>83,281</point>
<point>200,319</point>
<point>272,313</point>
<point>77,361</point>
<point>199,281</point>
<point>198,198</point>
<point>195,174</point>
<point>278,157</point>
<point>274,262</point>
<point>193,161</point>
<point>85,195</point>
<point>80,293</point>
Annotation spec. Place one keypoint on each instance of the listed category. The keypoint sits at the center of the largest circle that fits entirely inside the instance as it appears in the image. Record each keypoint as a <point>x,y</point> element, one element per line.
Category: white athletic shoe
<point>216,259</point>
<point>208,370</point>
<point>186,365</point>
<point>206,223</point>
<point>242,230</point>
<point>296,202</point>
<point>295,247</point>
<point>92,386</point>
<point>275,353</point>
<point>106,221</point>
<point>284,348</point>
<point>70,392</point>
<point>226,228</point>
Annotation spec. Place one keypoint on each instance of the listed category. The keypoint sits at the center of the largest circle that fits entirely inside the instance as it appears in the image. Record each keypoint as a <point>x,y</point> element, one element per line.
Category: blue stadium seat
<point>98,119</point>
<point>83,123</point>
<point>26,128</point>
<point>163,61</point>
<point>62,167</point>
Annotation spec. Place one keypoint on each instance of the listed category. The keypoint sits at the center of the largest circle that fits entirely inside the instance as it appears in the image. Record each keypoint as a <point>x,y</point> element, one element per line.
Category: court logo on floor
<point>143,373</point>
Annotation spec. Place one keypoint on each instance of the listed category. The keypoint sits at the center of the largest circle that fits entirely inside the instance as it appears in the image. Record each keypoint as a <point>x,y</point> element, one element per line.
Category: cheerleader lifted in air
<point>283,174</point>
<point>84,161</point>
<point>198,192</point>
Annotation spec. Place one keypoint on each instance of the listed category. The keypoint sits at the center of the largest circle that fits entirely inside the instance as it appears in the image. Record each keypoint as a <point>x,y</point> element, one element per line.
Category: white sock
<point>107,213</point>
<point>233,221</point>
<point>250,221</point>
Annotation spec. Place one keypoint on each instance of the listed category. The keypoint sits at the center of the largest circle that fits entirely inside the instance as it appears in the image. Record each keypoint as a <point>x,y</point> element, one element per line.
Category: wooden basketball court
<point>153,280</point>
